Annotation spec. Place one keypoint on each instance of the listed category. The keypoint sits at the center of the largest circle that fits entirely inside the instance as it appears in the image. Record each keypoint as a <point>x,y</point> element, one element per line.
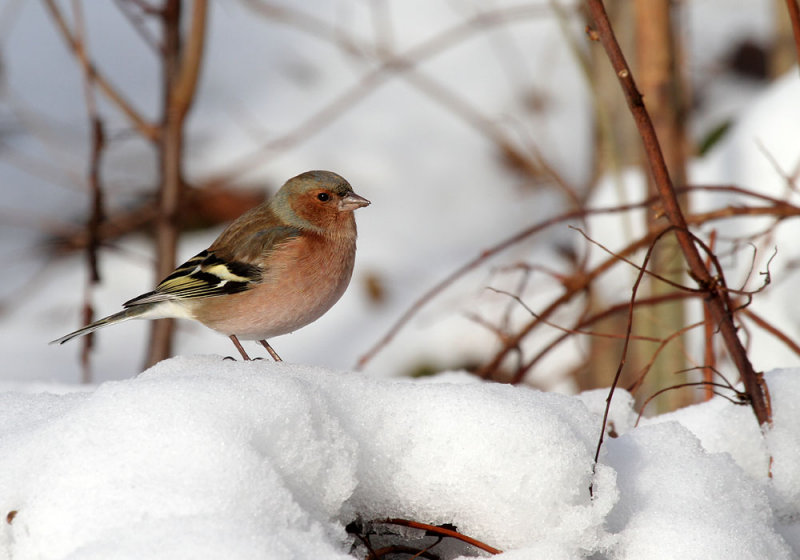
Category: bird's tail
<point>124,315</point>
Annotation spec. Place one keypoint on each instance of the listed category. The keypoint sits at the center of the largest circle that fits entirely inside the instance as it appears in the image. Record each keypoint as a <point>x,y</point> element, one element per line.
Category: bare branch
<point>564,329</point>
<point>474,263</point>
<point>794,15</point>
<point>145,128</point>
<point>718,301</point>
<point>624,353</point>
<point>741,398</point>
<point>388,68</point>
<point>771,329</point>
<point>96,213</point>
<point>634,265</point>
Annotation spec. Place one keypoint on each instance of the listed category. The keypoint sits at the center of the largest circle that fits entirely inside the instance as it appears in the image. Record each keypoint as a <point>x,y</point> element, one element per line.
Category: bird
<point>278,267</point>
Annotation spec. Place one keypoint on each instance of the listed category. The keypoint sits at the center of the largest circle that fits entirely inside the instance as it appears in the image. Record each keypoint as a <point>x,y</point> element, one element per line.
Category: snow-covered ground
<point>204,458</point>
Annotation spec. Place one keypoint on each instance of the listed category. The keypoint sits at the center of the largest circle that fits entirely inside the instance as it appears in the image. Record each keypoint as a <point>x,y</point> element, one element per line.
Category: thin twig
<point>444,531</point>
<point>779,207</point>
<point>138,23</point>
<point>578,285</point>
<point>774,331</point>
<point>566,330</point>
<point>589,320</point>
<point>388,68</point>
<point>474,263</point>
<point>145,128</point>
<point>96,213</point>
<point>649,273</point>
<point>710,357</point>
<point>741,397</point>
<point>624,354</point>
<point>663,344</point>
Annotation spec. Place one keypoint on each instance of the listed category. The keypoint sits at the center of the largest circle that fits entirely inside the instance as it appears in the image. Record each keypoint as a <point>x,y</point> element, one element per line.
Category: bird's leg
<point>239,347</point>
<point>272,352</point>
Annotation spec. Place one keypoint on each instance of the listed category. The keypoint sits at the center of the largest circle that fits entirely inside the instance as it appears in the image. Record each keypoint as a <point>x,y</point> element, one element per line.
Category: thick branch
<point>794,15</point>
<point>181,67</point>
<point>185,86</point>
<point>718,302</point>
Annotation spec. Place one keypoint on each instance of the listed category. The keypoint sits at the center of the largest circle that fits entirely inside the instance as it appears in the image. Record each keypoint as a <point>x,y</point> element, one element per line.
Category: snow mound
<point>205,458</point>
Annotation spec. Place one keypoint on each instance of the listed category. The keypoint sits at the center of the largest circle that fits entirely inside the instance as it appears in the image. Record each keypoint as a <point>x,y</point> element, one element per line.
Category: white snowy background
<point>203,458</point>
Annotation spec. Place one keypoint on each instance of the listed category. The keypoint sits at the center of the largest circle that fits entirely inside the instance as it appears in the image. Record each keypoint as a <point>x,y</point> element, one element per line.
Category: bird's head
<point>320,201</point>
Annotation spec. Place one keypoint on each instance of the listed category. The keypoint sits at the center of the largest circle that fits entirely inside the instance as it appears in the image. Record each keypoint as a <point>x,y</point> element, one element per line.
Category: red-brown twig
<point>388,68</point>
<point>522,370</point>
<point>567,330</point>
<point>662,344</point>
<point>182,55</point>
<point>794,16</point>
<point>575,286</point>
<point>649,273</point>
<point>777,207</point>
<point>96,214</point>
<point>445,532</point>
<point>718,301</point>
<point>145,128</point>
<point>474,263</point>
<point>624,354</point>
<point>741,398</point>
<point>709,355</point>
<point>777,333</point>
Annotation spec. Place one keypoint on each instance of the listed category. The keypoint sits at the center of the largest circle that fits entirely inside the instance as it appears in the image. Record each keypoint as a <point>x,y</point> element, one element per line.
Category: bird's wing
<point>212,273</point>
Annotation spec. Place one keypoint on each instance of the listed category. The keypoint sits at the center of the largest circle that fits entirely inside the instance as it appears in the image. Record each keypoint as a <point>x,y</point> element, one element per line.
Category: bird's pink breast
<point>303,279</point>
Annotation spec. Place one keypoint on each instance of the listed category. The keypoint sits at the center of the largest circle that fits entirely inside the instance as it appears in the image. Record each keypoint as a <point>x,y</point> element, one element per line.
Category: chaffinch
<point>277,268</point>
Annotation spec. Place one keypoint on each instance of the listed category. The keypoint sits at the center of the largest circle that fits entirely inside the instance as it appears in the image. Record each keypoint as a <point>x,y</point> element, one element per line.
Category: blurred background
<point>486,136</point>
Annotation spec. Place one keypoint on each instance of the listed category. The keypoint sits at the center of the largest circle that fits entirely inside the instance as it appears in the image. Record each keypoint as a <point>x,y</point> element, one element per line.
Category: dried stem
<point>718,301</point>
<point>96,212</point>
<point>445,532</point>
<point>577,285</point>
<point>742,398</point>
<point>523,370</point>
<point>710,358</point>
<point>144,128</point>
<point>570,331</point>
<point>392,66</point>
<point>776,207</point>
<point>471,265</point>
<point>181,67</point>
<point>794,14</point>
<point>663,344</point>
<point>624,353</point>
<point>764,324</point>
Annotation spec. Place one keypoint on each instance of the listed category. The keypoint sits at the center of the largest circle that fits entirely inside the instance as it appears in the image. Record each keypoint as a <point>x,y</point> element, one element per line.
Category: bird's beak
<point>352,201</point>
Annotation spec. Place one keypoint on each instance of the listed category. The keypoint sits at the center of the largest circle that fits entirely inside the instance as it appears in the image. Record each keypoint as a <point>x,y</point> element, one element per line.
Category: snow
<point>200,457</point>
<point>678,501</point>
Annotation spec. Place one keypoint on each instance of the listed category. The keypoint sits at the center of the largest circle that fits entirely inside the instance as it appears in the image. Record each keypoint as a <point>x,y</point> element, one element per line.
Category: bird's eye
<point>323,196</point>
